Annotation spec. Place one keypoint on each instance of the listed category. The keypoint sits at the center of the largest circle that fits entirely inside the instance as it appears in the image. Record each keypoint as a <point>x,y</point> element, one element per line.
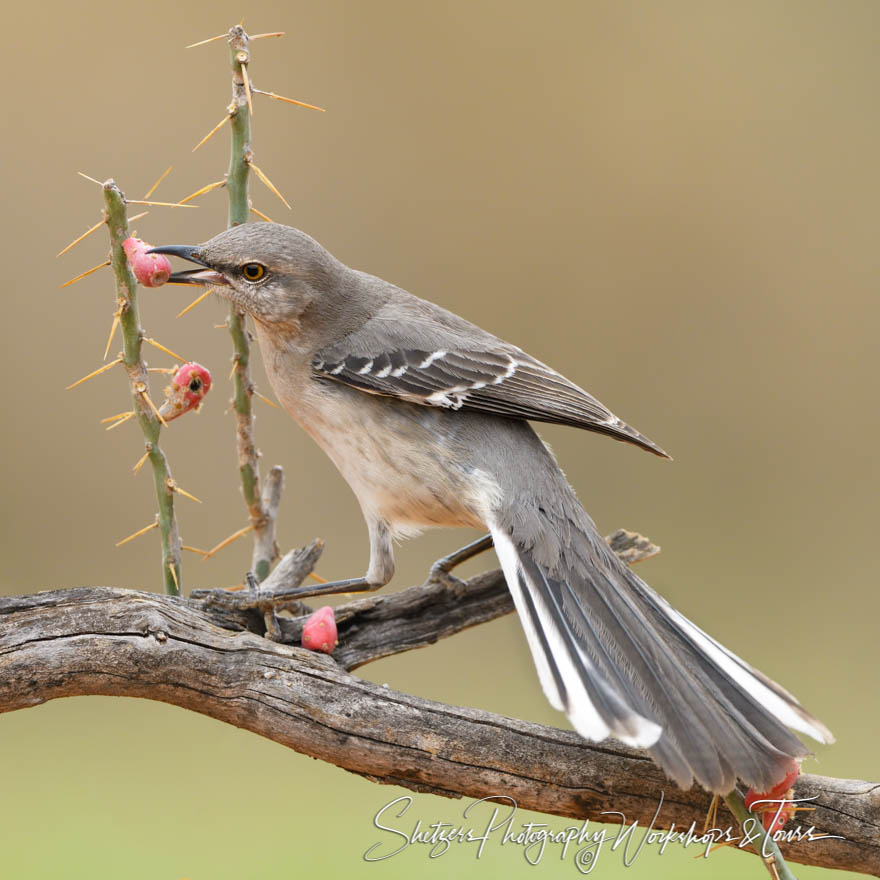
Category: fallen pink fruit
<point>188,388</point>
<point>319,632</point>
<point>151,270</point>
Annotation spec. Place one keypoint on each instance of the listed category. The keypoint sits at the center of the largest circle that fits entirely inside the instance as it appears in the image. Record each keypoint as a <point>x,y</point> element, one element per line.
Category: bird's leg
<point>291,596</point>
<point>270,600</point>
<point>270,618</point>
<point>442,568</point>
<point>378,574</point>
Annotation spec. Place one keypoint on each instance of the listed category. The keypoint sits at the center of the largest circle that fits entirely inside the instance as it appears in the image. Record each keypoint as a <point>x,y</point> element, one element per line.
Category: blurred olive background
<point>673,203</point>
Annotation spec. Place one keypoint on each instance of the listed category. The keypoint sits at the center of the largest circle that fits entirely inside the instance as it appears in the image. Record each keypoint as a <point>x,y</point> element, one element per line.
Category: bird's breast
<point>401,460</point>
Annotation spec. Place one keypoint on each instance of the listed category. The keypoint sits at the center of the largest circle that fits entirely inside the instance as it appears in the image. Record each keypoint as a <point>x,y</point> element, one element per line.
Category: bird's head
<point>270,271</point>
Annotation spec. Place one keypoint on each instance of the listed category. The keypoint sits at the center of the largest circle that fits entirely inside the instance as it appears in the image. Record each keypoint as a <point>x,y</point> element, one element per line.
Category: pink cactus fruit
<point>319,632</point>
<point>151,270</point>
<point>188,388</point>
<point>783,790</point>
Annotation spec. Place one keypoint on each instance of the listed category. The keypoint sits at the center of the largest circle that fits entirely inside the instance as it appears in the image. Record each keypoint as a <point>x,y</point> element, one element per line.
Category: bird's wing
<point>418,352</point>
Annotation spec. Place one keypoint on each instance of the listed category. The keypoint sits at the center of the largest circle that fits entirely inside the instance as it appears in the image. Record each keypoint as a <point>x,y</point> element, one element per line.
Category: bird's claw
<point>440,574</point>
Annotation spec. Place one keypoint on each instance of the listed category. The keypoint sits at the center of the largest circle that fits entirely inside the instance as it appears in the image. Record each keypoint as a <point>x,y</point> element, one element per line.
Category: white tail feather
<point>732,666</point>
<point>580,708</point>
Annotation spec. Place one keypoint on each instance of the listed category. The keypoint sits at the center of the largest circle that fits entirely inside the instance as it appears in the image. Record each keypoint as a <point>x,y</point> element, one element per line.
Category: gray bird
<point>427,418</point>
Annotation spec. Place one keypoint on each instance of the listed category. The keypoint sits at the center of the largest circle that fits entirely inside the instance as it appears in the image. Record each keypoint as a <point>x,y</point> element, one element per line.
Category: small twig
<point>265,545</point>
<point>147,415</point>
<point>631,547</point>
<point>262,518</point>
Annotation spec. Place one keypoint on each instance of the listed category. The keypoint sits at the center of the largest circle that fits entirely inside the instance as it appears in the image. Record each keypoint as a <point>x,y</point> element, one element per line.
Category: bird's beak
<point>204,277</point>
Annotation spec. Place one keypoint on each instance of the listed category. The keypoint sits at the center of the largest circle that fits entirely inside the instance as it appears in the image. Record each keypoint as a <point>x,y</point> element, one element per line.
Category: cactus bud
<point>782,791</point>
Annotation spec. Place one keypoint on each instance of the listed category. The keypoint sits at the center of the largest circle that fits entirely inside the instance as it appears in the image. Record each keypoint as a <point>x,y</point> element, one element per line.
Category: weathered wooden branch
<point>216,661</point>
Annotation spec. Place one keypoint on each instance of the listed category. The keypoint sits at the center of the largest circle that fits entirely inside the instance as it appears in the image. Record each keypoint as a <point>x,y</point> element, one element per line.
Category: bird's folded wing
<point>423,354</point>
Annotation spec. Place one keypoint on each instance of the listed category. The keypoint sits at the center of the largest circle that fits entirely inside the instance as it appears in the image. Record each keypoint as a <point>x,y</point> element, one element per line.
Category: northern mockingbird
<point>427,418</point>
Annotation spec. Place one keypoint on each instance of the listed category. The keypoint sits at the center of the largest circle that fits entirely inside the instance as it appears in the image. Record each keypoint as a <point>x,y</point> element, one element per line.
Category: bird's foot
<point>441,570</point>
<point>439,574</point>
<point>261,597</point>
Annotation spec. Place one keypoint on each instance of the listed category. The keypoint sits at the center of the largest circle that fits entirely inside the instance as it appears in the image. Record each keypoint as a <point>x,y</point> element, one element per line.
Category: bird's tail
<point>620,661</point>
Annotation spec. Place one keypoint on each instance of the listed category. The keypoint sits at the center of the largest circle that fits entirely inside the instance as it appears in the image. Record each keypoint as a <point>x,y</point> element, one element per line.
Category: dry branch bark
<point>215,661</point>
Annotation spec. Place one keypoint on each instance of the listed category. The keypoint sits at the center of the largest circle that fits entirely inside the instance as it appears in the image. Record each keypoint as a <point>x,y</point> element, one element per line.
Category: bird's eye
<point>253,271</point>
<point>195,384</point>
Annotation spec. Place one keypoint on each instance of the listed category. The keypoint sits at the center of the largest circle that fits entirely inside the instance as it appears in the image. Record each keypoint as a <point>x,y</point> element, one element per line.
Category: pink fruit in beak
<point>319,632</point>
<point>151,270</point>
<point>188,388</point>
